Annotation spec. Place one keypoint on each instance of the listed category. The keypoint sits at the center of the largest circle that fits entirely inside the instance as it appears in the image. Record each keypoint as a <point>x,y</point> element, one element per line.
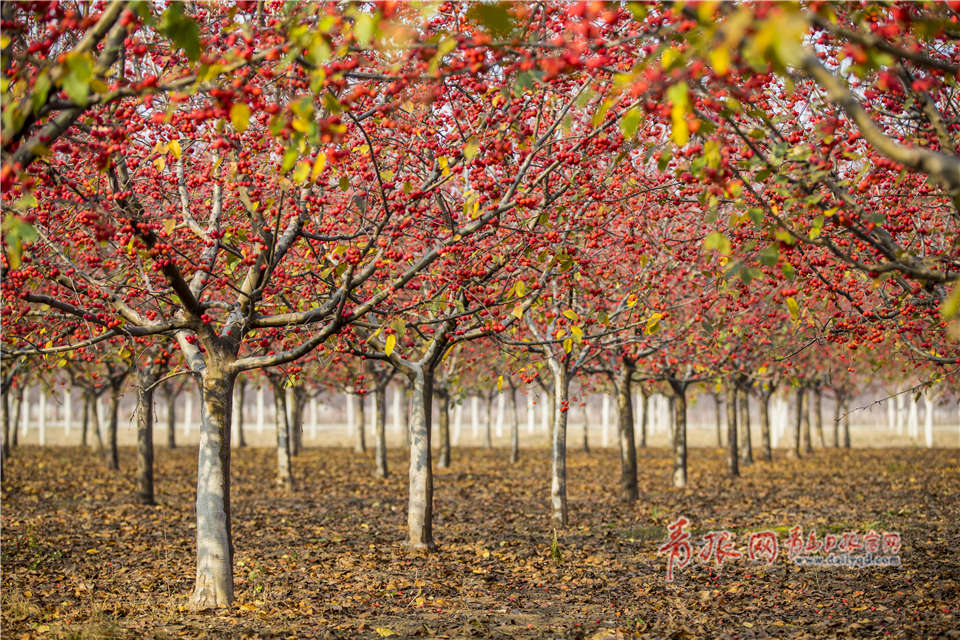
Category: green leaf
<point>79,73</point>
<point>493,17</point>
<point>951,304</point>
<point>181,30</point>
<point>716,241</point>
<point>240,116</point>
<point>769,255</point>
<point>41,89</point>
<point>446,46</point>
<point>17,232</point>
<point>788,271</point>
<point>630,121</point>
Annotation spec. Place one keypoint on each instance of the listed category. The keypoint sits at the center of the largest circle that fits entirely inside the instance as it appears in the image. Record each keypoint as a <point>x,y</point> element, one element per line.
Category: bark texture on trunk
<point>766,453</point>
<point>113,457</point>
<point>846,424</point>
<point>625,435</point>
<point>381,430</point>
<point>794,450</point>
<point>746,439</point>
<point>360,424</point>
<point>214,582</point>
<point>644,416</point>
<point>718,417</point>
<point>443,428</point>
<point>5,409</point>
<point>679,434</point>
<point>807,436</point>
<point>284,467</point>
<point>420,507</point>
<point>171,420</point>
<point>145,493</point>
<point>558,483</point>
<point>733,458</point>
<point>514,427</point>
<point>241,396</point>
<point>17,413</point>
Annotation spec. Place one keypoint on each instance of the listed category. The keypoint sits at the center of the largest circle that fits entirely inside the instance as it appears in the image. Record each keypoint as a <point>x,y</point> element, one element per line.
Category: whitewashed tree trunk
<point>99,421</point>
<point>42,419</point>
<point>605,421</point>
<point>397,422</point>
<point>637,415</point>
<point>930,402</point>
<point>545,414</point>
<point>457,423</point>
<point>188,411</point>
<point>261,410</point>
<point>531,417</point>
<point>475,416</point>
<point>913,417</point>
<point>901,413</point>
<point>25,413</point>
<point>67,411</point>
<point>351,414</point>
<point>313,417</point>
<point>892,414</point>
<point>501,402</point>
<point>420,506</point>
<point>235,415</point>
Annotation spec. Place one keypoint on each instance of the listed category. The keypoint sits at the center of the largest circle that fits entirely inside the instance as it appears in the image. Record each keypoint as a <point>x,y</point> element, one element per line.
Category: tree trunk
<point>360,424</point>
<point>214,583</point>
<point>746,439</point>
<point>846,425</point>
<point>406,417</point>
<point>644,420</point>
<point>5,409</point>
<point>95,415</point>
<point>488,428</point>
<point>767,453</point>
<point>818,415</point>
<point>296,402</point>
<point>733,459</point>
<point>113,458</point>
<point>807,436</point>
<point>171,420</point>
<point>241,386</point>
<point>628,450</point>
<point>718,417</point>
<point>794,450</point>
<point>679,434</point>
<point>420,507</point>
<point>515,427</point>
<point>145,438</point>
<point>17,412</point>
<point>443,428</point>
<point>85,421</point>
<point>558,484</point>
<point>837,406</point>
<point>380,393</point>
<point>284,470</point>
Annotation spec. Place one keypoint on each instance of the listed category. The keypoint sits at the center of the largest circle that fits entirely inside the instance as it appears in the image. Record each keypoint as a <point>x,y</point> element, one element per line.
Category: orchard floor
<point>80,560</point>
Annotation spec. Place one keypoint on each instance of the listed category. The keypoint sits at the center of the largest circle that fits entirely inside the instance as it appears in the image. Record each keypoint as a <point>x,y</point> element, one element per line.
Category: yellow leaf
<point>301,172</point>
<point>568,345</point>
<point>318,166</point>
<point>569,313</point>
<point>383,632</point>
<point>391,343</point>
<point>653,323</point>
<point>793,307</point>
<point>720,60</point>
<point>499,383</point>
<point>517,311</point>
<point>240,116</point>
<point>577,333</point>
<point>160,163</point>
<point>174,147</point>
<point>631,300</point>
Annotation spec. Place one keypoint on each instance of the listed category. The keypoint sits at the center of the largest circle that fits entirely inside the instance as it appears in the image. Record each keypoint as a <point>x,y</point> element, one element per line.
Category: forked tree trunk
<point>113,458</point>
<point>171,420</point>
<point>443,428</point>
<point>679,434</point>
<point>807,436</point>
<point>766,453</point>
<point>818,415</point>
<point>515,427</point>
<point>145,438</point>
<point>733,458</point>
<point>380,419</point>
<point>420,507</point>
<point>558,483</point>
<point>284,468</point>
<point>625,436</point>
<point>746,439</point>
<point>794,451</point>
<point>360,425</point>
<point>214,582</point>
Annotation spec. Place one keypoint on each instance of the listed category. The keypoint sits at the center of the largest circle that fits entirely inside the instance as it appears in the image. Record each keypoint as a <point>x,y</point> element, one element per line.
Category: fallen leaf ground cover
<point>81,560</point>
